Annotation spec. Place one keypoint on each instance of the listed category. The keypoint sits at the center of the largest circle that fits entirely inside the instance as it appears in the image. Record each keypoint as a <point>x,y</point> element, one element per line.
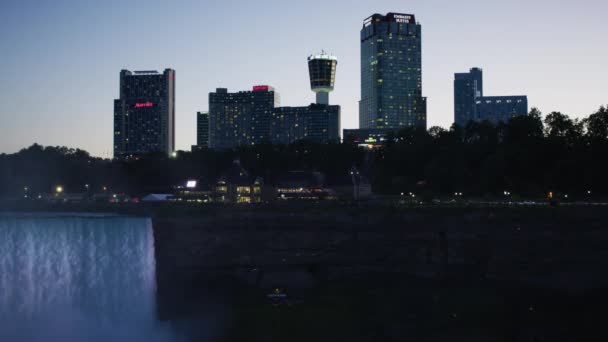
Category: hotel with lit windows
<point>391,72</point>
<point>242,118</point>
<point>144,114</point>
<point>391,79</point>
<point>253,117</point>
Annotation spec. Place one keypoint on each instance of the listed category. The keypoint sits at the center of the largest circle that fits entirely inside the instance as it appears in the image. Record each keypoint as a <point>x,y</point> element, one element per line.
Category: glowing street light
<point>59,189</point>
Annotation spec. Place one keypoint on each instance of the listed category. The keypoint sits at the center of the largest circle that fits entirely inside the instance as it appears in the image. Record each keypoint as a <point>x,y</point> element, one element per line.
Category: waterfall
<point>78,279</point>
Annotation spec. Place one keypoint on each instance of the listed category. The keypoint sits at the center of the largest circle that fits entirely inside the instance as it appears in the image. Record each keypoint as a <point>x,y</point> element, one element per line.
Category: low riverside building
<point>303,185</point>
<point>368,137</point>
<point>237,186</point>
<point>193,191</point>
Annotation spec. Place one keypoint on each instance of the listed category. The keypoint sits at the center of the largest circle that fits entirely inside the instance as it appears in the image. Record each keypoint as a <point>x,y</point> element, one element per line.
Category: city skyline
<point>58,80</point>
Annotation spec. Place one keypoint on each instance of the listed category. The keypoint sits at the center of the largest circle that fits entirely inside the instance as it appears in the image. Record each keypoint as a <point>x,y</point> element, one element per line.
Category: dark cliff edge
<point>506,273</point>
<point>220,255</point>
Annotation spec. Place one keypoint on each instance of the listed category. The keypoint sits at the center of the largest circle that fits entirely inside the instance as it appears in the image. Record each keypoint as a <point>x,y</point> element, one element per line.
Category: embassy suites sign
<point>403,18</point>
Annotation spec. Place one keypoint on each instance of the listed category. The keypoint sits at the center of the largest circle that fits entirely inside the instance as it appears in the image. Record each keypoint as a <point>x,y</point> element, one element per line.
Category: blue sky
<point>60,59</point>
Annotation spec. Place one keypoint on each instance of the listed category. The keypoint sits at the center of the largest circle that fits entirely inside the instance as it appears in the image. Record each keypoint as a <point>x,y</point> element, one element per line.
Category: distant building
<point>192,191</point>
<point>157,198</point>
<point>303,185</point>
<point>468,87</point>
<point>367,137</point>
<point>470,104</point>
<point>144,114</point>
<point>499,109</point>
<point>322,70</point>
<point>252,117</point>
<point>391,72</point>
<point>237,186</point>
<point>318,123</point>
<point>202,131</point>
<point>243,118</point>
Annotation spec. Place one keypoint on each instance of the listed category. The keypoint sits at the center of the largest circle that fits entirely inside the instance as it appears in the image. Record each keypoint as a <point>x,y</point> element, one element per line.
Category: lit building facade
<point>318,123</point>
<point>144,114</point>
<point>243,118</point>
<point>391,72</point>
<point>470,104</point>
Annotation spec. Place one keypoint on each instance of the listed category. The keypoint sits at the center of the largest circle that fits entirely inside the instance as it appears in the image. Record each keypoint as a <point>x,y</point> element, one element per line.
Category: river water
<point>78,278</point>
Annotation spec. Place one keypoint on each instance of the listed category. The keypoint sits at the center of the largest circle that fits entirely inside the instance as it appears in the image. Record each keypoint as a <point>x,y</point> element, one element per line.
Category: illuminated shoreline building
<point>144,114</point>
<point>391,73</point>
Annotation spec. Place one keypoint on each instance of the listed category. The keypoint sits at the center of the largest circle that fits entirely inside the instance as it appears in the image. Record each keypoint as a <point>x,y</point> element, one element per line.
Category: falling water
<point>78,279</point>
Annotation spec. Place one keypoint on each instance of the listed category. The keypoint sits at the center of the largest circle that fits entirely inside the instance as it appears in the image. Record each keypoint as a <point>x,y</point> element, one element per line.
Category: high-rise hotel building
<point>243,118</point>
<point>252,117</point>
<point>391,72</point>
<point>144,114</point>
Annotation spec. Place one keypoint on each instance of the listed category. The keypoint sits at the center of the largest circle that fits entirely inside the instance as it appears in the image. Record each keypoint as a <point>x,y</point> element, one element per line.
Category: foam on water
<point>78,279</point>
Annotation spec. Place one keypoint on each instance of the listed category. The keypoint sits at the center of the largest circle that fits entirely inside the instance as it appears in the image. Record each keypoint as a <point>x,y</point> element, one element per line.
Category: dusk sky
<point>60,60</point>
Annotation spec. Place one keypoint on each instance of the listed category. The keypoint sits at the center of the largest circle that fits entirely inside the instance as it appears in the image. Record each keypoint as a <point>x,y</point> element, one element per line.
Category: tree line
<point>528,156</point>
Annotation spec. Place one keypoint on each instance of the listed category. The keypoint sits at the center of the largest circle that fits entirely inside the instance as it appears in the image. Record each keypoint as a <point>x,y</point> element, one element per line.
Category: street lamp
<point>59,189</point>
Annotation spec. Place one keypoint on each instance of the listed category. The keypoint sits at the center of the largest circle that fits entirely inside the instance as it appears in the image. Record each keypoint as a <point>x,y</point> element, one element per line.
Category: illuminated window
<point>243,190</point>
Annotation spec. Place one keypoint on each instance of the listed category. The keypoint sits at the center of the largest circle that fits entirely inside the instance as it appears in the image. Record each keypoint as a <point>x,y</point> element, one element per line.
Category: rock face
<point>563,248</point>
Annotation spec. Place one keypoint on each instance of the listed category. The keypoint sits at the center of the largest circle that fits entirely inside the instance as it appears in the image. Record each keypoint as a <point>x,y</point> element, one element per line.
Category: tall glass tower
<point>322,69</point>
<point>391,72</point>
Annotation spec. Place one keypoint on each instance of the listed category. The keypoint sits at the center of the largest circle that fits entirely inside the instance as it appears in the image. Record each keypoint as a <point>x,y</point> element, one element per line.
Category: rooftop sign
<point>390,17</point>
<point>401,18</point>
<point>146,72</point>
<point>261,88</point>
